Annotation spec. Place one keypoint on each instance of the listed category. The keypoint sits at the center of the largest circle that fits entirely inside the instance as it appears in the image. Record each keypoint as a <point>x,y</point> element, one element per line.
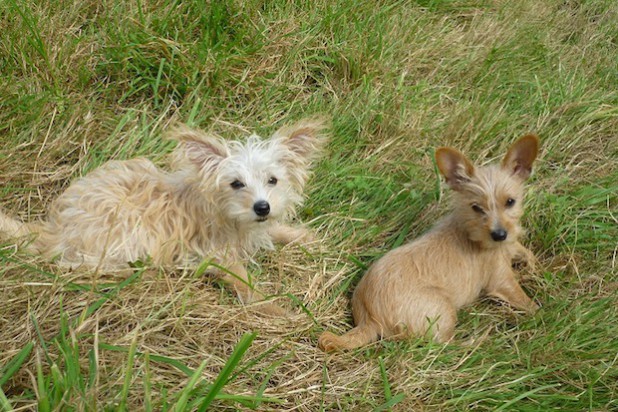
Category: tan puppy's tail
<point>12,227</point>
<point>359,336</point>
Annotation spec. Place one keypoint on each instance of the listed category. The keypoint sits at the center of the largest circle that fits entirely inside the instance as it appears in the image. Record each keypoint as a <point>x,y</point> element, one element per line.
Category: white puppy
<point>222,200</point>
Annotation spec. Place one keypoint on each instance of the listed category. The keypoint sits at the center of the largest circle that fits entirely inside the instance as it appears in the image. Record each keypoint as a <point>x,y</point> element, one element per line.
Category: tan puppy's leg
<point>236,276</point>
<point>285,234</point>
<point>505,286</point>
<point>440,313</point>
<point>355,338</point>
<point>429,312</point>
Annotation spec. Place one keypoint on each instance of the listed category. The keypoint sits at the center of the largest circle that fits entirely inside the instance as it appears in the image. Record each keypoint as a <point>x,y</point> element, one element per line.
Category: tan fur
<point>130,210</point>
<point>417,288</point>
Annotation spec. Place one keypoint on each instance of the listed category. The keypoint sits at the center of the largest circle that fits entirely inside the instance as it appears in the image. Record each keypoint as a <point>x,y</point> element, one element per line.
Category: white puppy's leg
<point>236,276</point>
<point>285,234</point>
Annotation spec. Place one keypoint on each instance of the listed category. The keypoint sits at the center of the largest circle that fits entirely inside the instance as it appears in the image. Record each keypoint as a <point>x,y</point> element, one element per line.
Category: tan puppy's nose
<point>499,235</point>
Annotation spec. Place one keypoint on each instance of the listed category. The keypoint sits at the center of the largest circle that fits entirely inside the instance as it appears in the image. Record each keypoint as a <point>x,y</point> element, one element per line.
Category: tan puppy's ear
<point>454,166</point>
<point>521,155</point>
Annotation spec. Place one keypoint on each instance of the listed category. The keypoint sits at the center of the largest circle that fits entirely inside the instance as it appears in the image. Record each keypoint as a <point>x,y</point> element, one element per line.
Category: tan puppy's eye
<point>510,202</point>
<point>237,184</point>
<point>478,209</point>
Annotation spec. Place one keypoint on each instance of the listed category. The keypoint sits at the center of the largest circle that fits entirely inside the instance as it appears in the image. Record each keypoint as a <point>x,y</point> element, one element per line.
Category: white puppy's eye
<point>272,181</point>
<point>237,184</point>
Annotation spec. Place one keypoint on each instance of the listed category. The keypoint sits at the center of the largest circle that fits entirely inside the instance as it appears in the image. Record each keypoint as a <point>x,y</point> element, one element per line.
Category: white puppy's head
<point>257,181</point>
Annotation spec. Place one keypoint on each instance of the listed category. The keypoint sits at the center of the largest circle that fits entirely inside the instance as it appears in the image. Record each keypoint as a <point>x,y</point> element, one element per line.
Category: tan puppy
<point>222,200</point>
<point>417,288</point>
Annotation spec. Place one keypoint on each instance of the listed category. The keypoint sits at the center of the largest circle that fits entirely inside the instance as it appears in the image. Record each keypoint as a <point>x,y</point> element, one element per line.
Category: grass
<point>85,82</point>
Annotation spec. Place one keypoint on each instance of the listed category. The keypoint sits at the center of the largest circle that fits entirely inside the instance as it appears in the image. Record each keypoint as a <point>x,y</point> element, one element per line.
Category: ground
<point>85,82</point>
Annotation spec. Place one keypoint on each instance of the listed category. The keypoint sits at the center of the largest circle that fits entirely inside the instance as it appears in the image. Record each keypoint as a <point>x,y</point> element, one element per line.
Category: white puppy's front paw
<point>288,234</point>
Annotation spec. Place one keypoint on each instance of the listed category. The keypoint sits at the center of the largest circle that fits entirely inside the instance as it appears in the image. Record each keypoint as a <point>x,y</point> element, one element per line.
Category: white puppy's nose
<point>261,208</point>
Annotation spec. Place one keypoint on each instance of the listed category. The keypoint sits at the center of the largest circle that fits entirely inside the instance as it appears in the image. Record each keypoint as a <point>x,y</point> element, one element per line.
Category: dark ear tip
<point>440,156</point>
<point>444,153</point>
<point>531,139</point>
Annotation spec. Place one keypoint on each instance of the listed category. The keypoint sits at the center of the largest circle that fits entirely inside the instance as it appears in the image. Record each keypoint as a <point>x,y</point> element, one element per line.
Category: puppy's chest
<point>489,264</point>
<point>242,245</point>
<point>474,275</point>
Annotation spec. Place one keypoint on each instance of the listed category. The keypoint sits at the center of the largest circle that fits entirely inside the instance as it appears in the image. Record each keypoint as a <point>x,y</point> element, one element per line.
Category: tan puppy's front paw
<point>533,307</point>
<point>524,256</point>
<point>328,342</point>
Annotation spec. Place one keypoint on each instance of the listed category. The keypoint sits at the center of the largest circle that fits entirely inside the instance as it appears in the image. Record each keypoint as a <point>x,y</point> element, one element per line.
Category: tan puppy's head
<point>488,200</point>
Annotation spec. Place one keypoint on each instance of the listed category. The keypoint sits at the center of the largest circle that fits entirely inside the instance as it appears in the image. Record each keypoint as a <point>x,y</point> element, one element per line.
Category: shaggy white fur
<point>222,200</point>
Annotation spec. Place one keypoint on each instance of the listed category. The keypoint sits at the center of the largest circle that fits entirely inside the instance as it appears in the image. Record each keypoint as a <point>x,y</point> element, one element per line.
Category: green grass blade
<point>15,363</point>
<point>251,401</point>
<point>147,384</point>
<point>228,368</point>
<point>58,385</point>
<point>43,401</point>
<point>257,359</point>
<point>155,89</point>
<point>93,368</point>
<point>181,403</point>
<point>157,358</point>
<point>385,383</point>
<point>303,307</point>
<point>35,38</point>
<point>391,402</point>
<point>390,399</point>
<point>41,339</point>
<point>4,402</point>
<point>507,405</point>
<point>128,374</point>
<point>265,381</point>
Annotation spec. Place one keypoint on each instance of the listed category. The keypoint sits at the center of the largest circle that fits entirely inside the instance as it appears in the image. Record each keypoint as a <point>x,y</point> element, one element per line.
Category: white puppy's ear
<point>301,144</point>
<point>200,149</point>
<point>304,139</point>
